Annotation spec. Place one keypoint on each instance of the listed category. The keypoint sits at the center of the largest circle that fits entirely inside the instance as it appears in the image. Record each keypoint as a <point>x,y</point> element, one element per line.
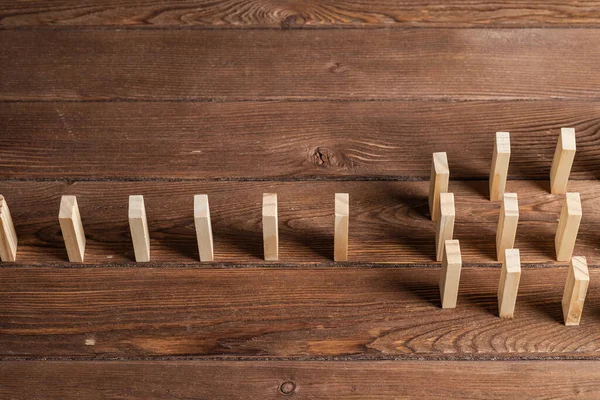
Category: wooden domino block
<point>270,227</point>
<point>499,169</point>
<point>72,229</point>
<point>438,182</point>
<point>450,277</point>
<point>138,225</point>
<point>568,226</point>
<point>562,161</point>
<point>509,283</point>
<point>341,225</point>
<point>204,235</point>
<point>8,236</point>
<point>507,224</point>
<point>445,223</point>
<point>576,286</point>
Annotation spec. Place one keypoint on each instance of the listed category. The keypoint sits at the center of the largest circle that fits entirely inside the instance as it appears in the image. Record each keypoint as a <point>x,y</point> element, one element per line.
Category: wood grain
<point>175,380</point>
<point>389,220</point>
<point>208,65</point>
<point>315,140</point>
<point>313,14</point>
<point>377,313</point>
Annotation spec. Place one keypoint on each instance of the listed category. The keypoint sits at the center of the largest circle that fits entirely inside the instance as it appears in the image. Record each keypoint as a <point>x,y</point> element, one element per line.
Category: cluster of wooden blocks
<point>441,207</point>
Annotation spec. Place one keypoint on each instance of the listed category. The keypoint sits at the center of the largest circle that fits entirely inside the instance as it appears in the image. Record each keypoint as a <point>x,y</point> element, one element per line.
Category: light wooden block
<point>499,168</point>
<point>568,226</point>
<point>203,225</point>
<point>562,161</point>
<point>438,182</point>
<point>450,276</point>
<point>507,224</point>
<point>8,236</point>
<point>72,229</point>
<point>341,225</point>
<point>138,225</point>
<point>270,227</point>
<point>509,283</point>
<point>576,286</point>
<point>445,223</point>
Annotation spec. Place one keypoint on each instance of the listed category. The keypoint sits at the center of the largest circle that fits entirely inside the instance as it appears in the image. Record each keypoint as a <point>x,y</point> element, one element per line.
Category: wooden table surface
<point>234,98</point>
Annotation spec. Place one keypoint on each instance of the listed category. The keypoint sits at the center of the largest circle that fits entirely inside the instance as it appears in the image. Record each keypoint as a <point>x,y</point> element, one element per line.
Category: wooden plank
<point>562,161</point>
<point>341,227</point>
<point>576,285</point>
<point>507,224</point>
<point>203,226</point>
<point>321,139</point>
<point>8,236</point>
<point>499,168</point>
<point>509,283</point>
<point>385,380</point>
<point>208,65</point>
<point>71,228</point>
<point>568,226</point>
<point>445,224</point>
<point>390,221</point>
<point>270,227</point>
<point>312,14</point>
<point>377,313</point>
<point>138,225</point>
<point>450,275</point>
<point>438,182</point>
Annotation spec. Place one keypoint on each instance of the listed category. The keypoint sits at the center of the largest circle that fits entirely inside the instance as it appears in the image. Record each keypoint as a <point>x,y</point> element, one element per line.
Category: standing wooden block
<point>576,286</point>
<point>341,225</point>
<point>445,223</point>
<point>499,169</point>
<point>204,234</point>
<point>509,283</point>
<point>8,236</point>
<point>568,226</point>
<point>507,224</point>
<point>270,227</point>
<point>72,229</point>
<point>438,182</point>
<point>563,161</point>
<point>138,226</point>
<point>450,278</point>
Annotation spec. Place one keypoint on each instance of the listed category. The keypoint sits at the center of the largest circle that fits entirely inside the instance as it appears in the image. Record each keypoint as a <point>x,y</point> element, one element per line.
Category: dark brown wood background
<point>233,98</point>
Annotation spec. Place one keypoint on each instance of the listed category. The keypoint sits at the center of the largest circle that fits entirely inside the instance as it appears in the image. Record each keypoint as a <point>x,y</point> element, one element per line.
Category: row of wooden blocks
<point>574,294</point>
<point>559,171</point>
<point>74,236</point>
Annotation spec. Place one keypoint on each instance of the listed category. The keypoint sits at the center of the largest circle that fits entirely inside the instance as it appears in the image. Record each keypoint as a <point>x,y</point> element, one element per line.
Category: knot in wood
<point>337,68</point>
<point>287,388</point>
<point>323,157</point>
<point>293,21</point>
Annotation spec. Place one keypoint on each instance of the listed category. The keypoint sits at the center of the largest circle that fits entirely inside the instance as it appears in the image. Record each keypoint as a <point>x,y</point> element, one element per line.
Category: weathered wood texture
<point>314,139</point>
<point>446,64</point>
<point>357,313</point>
<point>386,380</point>
<point>389,220</point>
<point>313,14</point>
